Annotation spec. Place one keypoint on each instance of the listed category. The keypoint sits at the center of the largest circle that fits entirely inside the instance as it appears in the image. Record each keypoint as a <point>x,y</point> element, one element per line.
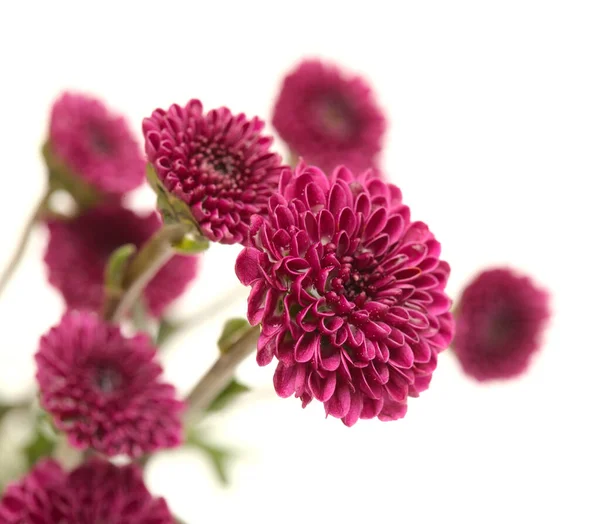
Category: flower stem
<point>23,241</point>
<point>221,373</point>
<point>145,264</point>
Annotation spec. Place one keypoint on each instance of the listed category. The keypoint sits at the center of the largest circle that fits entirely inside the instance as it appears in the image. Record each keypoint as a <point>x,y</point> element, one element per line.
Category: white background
<point>494,111</point>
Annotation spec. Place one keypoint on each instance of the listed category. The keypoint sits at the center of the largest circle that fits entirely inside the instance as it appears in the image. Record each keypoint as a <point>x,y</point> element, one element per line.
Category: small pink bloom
<point>104,390</point>
<point>221,165</point>
<point>500,320</point>
<point>78,250</point>
<point>329,118</point>
<point>96,491</point>
<point>96,144</point>
<point>349,292</point>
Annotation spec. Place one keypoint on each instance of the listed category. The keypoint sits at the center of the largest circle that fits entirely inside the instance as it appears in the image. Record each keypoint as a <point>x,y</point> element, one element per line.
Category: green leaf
<point>117,266</point>
<point>192,245</point>
<point>233,390</point>
<point>233,330</point>
<point>219,457</point>
<point>166,329</point>
<point>43,442</point>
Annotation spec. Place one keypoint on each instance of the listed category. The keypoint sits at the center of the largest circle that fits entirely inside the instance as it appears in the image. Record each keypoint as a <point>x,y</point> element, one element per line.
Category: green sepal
<point>175,211</point>
<point>191,245</point>
<point>233,330</point>
<point>171,208</point>
<point>233,390</point>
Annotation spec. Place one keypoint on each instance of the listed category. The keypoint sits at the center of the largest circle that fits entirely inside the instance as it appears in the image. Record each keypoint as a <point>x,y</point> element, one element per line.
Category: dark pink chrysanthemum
<point>78,250</point>
<point>104,390</point>
<point>328,118</point>
<point>29,500</point>
<point>95,492</point>
<point>499,324</point>
<point>218,163</point>
<point>349,292</point>
<point>95,144</point>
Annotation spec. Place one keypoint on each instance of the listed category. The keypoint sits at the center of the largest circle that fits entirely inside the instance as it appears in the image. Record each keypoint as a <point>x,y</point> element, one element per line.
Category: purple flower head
<point>104,390</point>
<point>96,491</point>
<point>219,164</point>
<point>349,292</point>
<point>500,320</point>
<point>95,144</point>
<point>329,118</point>
<point>79,249</point>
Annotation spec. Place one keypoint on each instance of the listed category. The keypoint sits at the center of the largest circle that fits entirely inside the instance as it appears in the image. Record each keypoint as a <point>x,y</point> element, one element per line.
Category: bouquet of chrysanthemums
<point>346,289</point>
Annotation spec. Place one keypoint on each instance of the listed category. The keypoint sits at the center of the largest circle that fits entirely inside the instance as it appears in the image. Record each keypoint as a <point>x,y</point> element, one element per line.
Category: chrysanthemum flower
<point>349,292</point>
<point>31,497</point>
<point>95,144</point>
<point>78,250</point>
<point>96,491</point>
<point>499,324</point>
<point>104,390</point>
<point>329,118</point>
<point>217,163</point>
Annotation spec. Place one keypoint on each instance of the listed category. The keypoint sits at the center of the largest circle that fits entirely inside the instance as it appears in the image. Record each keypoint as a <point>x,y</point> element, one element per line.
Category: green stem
<point>17,256</point>
<point>221,373</point>
<point>145,264</point>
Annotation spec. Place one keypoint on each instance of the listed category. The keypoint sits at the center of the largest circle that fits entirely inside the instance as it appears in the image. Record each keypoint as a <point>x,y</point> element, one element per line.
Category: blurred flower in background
<point>329,118</point>
<point>500,319</point>
<point>95,145</point>
<point>104,390</point>
<point>96,491</point>
<point>78,250</point>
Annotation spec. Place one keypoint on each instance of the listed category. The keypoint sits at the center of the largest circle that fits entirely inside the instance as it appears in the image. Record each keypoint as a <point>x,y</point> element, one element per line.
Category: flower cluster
<point>501,316</point>
<point>329,118</point>
<point>104,390</point>
<point>349,292</point>
<point>96,491</point>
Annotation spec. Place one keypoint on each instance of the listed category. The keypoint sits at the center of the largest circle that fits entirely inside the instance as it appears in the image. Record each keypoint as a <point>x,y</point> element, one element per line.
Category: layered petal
<point>349,292</point>
<point>219,164</point>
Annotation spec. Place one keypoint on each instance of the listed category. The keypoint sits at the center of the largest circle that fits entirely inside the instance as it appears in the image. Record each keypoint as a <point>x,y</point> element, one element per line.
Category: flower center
<point>101,143</point>
<point>356,277</point>
<point>107,379</point>
<point>501,327</point>
<point>335,116</point>
<point>216,168</point>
